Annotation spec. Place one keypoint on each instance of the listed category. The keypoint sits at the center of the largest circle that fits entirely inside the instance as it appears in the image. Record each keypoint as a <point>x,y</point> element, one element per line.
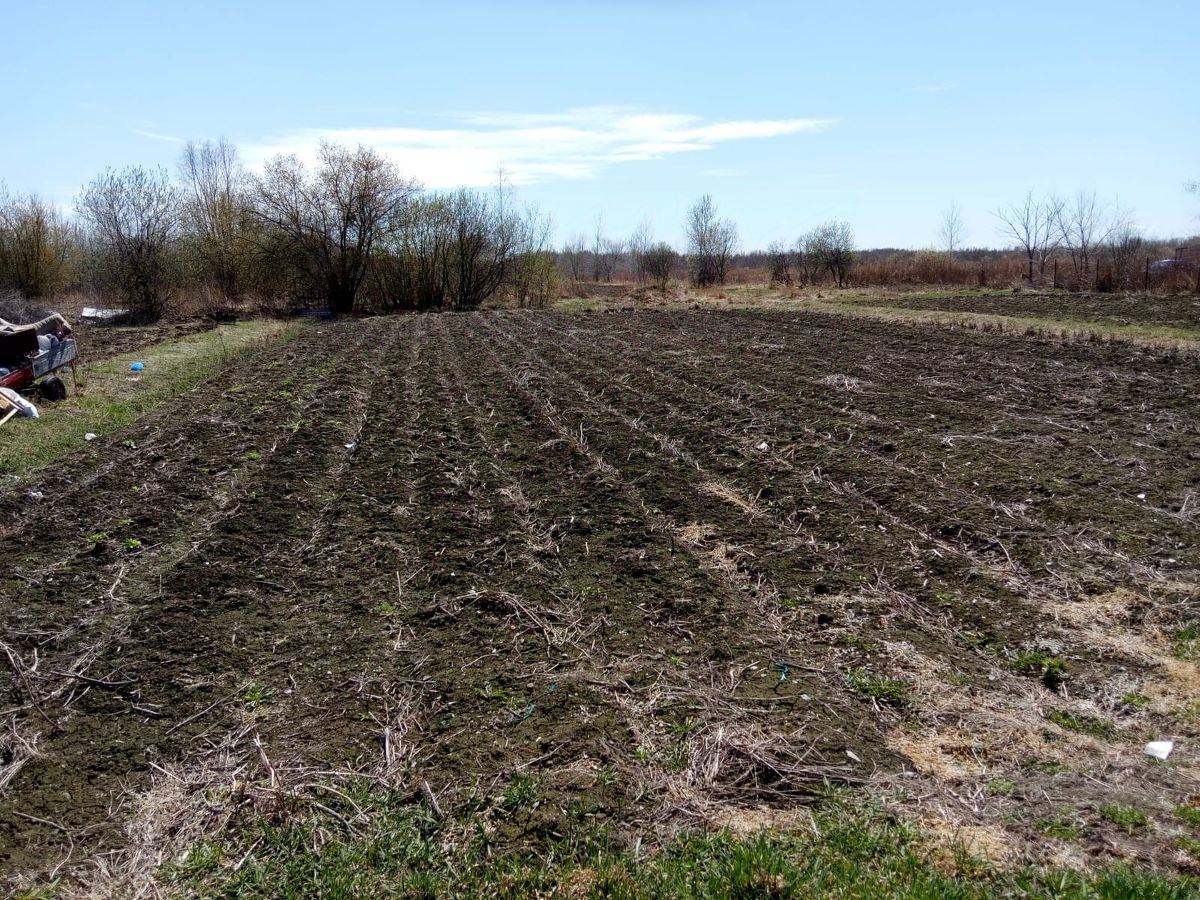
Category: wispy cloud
<point>156,136</point>
<point>531,148</point>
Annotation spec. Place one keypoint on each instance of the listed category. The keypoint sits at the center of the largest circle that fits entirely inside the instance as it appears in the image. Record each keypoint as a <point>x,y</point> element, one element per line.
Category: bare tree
<point>330,221</point>
<point>487,235</point>
<point>601,270</point>
<point>711,241</point>
<point>533,278</point>
<point>834,247</point>
<point>216,213</point>
<point>1051,212</point>
<point>574,255</point>
<point>660,262</point>
<point>133,221</point>
<point>1034,227</point>
<point>807,253</point>
<point>780,258</point>
<point>606,253</point>
<point>411,273</point>
<point>1120,250</point>
<point>36,245</point>
<point>1082,224</point>
<point>640,243</point>
<point>953,231</point>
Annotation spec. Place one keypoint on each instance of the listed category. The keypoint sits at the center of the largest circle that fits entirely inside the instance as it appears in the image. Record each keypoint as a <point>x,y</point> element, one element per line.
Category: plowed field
<point>681,568</point>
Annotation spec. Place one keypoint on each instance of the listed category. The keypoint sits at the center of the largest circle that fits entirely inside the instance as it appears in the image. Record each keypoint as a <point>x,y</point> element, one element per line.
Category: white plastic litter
<point>1141,496</point>
<point>854,756</point>
<point>764,446</point>
<point>24,407</point>
<point>91,312</point>
<point>1159,749</point>
<point>89,436</point>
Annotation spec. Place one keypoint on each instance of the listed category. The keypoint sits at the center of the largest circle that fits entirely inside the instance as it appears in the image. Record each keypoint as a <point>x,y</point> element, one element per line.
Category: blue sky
<point>787,113</point>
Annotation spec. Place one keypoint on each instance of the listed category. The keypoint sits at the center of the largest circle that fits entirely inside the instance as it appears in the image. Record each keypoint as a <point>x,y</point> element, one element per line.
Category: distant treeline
<point>353,234</point>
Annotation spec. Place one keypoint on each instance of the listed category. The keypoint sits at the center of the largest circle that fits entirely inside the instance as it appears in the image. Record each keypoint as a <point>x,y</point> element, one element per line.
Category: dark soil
<point>641,557</point>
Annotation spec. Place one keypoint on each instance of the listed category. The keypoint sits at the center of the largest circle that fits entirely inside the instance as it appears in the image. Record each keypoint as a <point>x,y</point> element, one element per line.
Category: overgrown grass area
<point>1050,325</point>
<point>1052,322</point>
<point>109,396</point>
<point>379,844</point>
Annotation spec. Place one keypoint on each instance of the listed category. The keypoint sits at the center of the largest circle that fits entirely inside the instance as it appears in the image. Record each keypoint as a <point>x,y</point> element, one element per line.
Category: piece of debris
<point>12,403</point>
<point>136,366</point>
<point>1159,749</point>
<point>90,436</point>
<point>854,756</point>
<point>764,446</point>
<point>92,313</point>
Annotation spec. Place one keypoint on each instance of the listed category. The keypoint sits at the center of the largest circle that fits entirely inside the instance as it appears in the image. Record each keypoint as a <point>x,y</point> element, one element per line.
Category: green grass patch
<point>1185,642</point>
<point>1058,828</point>
<point>396,848</point>
<point>1189,814</point>
<point>1128,818</point>
<point>1048,669</point>
<point>891,691</point>
<point>255,695</point>
<point>1001,787</point>
<point>107,400</point>
<point>1082,724</point>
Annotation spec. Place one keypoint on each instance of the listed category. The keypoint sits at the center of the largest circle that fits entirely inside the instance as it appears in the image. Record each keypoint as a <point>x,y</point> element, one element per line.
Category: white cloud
<point>576,144</point>
<point>156,136</point>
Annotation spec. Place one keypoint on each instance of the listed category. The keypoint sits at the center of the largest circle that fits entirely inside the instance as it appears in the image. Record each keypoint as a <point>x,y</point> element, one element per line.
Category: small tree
<point>780,259</point>
<point>574,256</point>
<point>835,249</point>
<point>133,221</point>
<point>36,246</point>
<point>1120,251</point>
<point>953,230</point>
<point>640,243</point>
<point>486,236</point>
<point>533,277</point>
<point>1034,227</point>
<point>330,222</point>
<point>216,213</point>
<point>711,241</point>
<point>659,262</point>
<point>1082,225</point>
<point>809,256</point>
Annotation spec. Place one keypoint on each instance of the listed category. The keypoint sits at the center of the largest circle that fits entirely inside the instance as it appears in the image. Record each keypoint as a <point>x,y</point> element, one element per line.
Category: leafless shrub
<point>711,242</point>
<point>133,220</point>
<point>329,223</point>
